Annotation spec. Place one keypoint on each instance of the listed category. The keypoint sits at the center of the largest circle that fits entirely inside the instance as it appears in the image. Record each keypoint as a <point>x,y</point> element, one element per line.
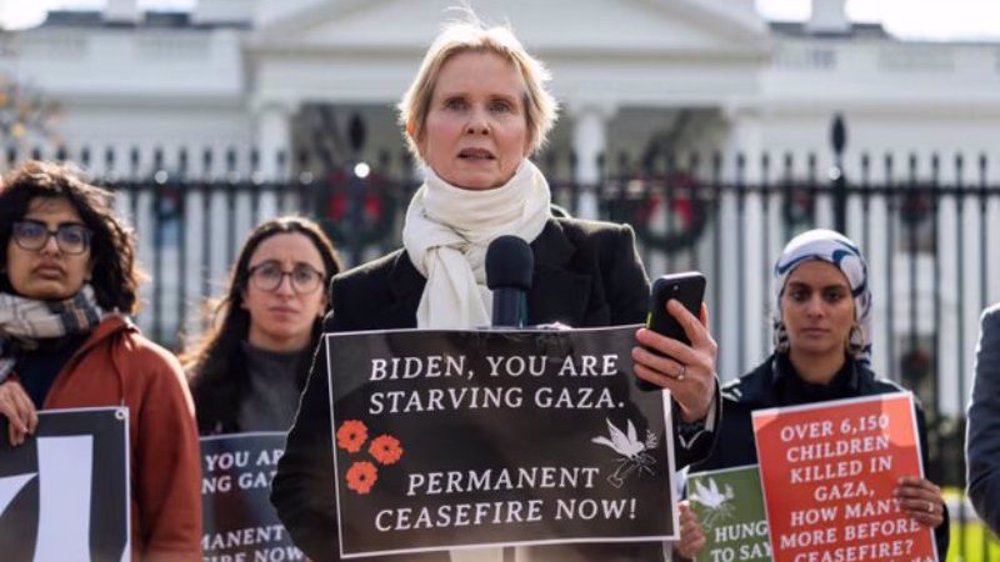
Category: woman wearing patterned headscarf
<point>822,348</point>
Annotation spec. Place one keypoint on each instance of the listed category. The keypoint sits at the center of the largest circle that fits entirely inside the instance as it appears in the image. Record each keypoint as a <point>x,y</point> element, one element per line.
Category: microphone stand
<point>509,268</point>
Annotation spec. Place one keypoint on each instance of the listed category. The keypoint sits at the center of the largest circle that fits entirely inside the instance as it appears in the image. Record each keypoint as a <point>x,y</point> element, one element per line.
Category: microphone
<point>509,267</point>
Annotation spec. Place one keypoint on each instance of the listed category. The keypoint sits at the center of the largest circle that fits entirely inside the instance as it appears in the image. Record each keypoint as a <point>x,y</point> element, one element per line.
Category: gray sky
<point>917,19</point>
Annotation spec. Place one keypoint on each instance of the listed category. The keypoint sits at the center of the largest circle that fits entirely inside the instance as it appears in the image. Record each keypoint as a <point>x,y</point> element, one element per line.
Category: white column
<point>222,11</point>
<point>745,136</point>
<point>122,11</point>
<point>743,259</point>
<point>590,139</point>
<point>828,16</point>
<point>273,135</point>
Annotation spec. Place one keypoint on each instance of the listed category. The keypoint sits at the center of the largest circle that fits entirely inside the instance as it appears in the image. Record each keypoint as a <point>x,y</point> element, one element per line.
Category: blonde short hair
<point>459,37</point>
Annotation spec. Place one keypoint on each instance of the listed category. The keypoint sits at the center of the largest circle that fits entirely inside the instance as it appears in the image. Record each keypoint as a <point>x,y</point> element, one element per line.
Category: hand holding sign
<point>921,499</point>
<point>18,408</point>
<point>692,535</point>
<point>64,494</point>
<point>831,472</point>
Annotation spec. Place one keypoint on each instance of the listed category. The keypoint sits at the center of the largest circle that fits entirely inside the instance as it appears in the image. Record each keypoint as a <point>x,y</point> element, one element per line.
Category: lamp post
<point>838,139</point>
<point>357,134</point>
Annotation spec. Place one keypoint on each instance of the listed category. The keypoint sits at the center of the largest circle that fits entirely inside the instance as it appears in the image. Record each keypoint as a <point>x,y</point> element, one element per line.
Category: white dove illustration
<point>625,445</point>
<point>711,497</point>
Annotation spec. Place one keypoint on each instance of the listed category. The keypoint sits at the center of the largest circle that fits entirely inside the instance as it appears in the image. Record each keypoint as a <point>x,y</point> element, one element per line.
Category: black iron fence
<point>929,225</point>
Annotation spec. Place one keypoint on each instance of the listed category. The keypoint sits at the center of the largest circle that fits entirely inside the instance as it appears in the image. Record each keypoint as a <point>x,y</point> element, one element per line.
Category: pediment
<point>581,27</point>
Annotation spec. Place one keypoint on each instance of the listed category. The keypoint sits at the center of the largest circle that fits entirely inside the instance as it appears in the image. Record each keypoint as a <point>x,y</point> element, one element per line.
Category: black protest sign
<point>239,522</point>
<point>448,439</point>
<point>64,491</point>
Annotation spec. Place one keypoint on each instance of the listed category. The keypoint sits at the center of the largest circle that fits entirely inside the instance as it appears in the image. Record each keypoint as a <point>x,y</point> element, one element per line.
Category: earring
<point>855,340</point>
<point>780,336</point>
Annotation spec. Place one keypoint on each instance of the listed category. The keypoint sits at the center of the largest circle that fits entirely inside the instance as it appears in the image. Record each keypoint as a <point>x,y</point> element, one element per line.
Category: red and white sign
<point>828,471</point>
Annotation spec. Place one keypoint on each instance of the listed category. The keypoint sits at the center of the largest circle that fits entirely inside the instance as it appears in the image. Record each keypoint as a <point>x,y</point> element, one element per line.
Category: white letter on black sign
<point>65,465</point>
<point>64,481</point>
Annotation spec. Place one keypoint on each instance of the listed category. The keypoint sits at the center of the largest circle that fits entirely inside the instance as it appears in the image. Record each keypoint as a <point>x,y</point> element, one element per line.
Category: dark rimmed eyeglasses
<point>32,235</point>
<point>267,276</point>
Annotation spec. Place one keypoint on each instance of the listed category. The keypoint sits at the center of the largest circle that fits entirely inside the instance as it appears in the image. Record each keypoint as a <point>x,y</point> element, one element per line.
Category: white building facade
<point>631,76</point>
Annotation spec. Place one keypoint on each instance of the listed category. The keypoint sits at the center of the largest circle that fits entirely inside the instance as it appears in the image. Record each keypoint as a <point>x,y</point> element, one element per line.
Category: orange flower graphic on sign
<point>386,449</point>
<point>361,477</point>
<point>352,435</point>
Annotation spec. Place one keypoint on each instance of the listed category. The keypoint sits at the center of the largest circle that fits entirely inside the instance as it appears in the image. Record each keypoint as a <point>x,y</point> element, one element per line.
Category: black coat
<point>774,384</point>
<point>587,274</point>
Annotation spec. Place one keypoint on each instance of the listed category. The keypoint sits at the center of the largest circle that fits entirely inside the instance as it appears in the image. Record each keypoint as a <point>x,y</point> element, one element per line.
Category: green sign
<point>730,508</point>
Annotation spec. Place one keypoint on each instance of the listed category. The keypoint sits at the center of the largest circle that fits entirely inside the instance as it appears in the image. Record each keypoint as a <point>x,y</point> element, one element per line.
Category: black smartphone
<point>688,288</point>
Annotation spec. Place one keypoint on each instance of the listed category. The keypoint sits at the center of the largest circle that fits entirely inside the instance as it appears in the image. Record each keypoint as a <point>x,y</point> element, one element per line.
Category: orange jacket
<point>118,366</point>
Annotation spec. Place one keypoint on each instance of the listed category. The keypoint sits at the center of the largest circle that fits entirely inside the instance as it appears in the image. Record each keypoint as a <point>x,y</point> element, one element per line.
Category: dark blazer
<point>983,439</point>
<point>770,385</point>
<point>587,274</point>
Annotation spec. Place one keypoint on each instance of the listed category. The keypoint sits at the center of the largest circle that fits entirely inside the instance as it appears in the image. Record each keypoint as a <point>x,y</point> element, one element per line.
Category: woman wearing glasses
<point>265,328</point>
<point>69,279</point>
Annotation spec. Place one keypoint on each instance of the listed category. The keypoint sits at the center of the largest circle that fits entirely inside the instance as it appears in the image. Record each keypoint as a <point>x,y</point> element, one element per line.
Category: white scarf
<point>447,232</point>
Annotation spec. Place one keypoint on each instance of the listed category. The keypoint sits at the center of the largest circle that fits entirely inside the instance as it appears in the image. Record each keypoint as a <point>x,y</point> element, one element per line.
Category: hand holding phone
<point>688,288</point>
<point>667,359</point>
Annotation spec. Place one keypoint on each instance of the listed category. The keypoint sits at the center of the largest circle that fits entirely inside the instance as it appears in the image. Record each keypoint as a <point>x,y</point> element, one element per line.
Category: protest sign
<point>730,508</point>
<point>449,439</point>
<point>240,525</point>
<point>64,492</point>
<point>828,471</point>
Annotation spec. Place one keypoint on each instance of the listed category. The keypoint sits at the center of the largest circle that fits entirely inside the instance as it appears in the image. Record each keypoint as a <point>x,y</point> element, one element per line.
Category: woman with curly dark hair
<point>265,328</point>
<point>69,279</point>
